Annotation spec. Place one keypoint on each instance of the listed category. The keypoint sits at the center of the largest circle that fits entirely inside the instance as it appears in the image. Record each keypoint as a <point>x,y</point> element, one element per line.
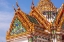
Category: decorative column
<point>53,34</point>
<point>30,39</point>
<point>59,35</point>
<point>34,38</point>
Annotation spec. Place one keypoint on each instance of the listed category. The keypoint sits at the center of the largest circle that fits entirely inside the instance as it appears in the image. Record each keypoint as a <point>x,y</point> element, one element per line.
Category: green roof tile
<point>32,19</point>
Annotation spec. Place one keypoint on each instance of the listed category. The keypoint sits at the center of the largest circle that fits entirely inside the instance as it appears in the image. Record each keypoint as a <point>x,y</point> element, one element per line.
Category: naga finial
<point>14,8</point>
<point>17,3</point>
<point>32,4</point>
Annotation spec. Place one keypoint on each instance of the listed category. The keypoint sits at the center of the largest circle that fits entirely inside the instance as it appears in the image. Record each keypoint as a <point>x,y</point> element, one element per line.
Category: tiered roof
<point>36,18</point>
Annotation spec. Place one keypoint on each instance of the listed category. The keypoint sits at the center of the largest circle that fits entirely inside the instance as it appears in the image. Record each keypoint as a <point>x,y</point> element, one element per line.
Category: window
<point>30,40</point>
<point>53,31</point>
<point>34,37</point>
<point>50,14</point>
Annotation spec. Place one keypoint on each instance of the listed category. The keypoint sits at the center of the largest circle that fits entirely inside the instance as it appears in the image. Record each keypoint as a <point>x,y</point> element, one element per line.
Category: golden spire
<point>32,6</point>
<point>46,5</point>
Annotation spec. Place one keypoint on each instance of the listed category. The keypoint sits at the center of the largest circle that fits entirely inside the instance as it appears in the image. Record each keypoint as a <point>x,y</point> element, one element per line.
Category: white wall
<point>26,40</point>
<point>23,39</point>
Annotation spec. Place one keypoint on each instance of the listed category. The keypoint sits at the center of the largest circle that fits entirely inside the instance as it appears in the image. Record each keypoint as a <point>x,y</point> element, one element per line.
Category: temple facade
<point>44,23</point>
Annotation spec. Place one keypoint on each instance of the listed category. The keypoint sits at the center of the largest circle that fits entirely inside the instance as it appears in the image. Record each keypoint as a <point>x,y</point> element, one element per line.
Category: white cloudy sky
<point>5,19</point>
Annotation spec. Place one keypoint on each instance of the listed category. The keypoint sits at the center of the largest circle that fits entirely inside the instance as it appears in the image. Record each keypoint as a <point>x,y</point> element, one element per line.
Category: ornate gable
<point>17,27</point>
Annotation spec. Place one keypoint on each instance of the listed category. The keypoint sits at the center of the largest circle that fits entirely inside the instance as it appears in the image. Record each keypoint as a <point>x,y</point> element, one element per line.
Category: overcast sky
<point>7,12</point>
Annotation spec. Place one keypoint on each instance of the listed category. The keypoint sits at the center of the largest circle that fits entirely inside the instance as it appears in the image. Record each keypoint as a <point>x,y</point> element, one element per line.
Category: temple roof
<point>46,5</point>
<point>25,20</point>
<point>32,19</point>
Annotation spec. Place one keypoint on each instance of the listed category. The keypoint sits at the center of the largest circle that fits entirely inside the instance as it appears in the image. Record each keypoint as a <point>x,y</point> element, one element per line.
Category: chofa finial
<point>32,4</point>
<point>63,5</point>
<point>17,3</point>
<point>14,8</point>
